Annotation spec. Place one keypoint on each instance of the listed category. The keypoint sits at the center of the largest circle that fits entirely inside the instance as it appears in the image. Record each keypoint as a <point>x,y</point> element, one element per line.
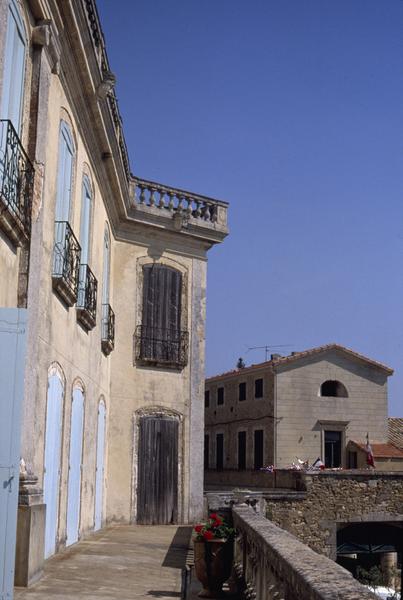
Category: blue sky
<point>293,112</point>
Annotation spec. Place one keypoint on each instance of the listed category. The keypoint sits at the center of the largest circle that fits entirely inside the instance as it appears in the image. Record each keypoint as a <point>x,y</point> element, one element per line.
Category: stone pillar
<point>29,556</point>
<point>389,568</point>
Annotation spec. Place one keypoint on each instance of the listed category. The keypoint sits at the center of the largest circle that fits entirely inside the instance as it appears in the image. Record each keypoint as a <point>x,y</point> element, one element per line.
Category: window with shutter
<point>161,339</point>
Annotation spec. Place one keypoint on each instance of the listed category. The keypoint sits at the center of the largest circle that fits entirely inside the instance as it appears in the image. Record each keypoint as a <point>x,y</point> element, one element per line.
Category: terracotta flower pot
<point>213,563</point>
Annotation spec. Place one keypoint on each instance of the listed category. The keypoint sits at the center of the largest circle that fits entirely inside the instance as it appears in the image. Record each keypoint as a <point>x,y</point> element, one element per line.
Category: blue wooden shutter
<point>64,173</point>
<point>75,458</point>
<point>14,68</point>
<point>85,220</point>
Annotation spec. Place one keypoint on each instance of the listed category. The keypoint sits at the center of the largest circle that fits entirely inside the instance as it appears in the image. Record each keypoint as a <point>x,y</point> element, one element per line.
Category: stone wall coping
<point>305,574</point>
<point>358,474</point>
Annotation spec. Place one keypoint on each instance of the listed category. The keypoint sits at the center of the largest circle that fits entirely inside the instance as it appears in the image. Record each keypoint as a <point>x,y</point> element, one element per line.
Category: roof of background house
<point>295,356</point>
<point>395,431</point>
<point>382,450</point>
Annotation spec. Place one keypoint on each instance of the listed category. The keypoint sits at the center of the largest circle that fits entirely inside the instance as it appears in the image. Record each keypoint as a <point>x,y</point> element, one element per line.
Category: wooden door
<point>99,475</point>
<point>157,487</point>
<point>75,457</point>
<point>12,361</point>
<point>51,478</point>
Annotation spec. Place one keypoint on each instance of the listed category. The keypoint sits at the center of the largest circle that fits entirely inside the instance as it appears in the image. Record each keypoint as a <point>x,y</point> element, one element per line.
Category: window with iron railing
<point>108,329</point>
<point>16,185</point>
<point>87,297</point>
<point>160,339</point>
<point>66,262</point>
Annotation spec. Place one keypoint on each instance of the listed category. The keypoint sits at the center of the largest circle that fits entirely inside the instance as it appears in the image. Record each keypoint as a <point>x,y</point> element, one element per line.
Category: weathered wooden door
<point>53,438</point>
<point>75,455</point>
<point>12,358</point>
<point>157,489</point>
<point>99,475</point>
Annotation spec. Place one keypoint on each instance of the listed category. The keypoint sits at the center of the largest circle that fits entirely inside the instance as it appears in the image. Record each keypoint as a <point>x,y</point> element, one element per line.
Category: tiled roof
<point>395,431</point>
<point>295,356</point>
<point>382,450</point>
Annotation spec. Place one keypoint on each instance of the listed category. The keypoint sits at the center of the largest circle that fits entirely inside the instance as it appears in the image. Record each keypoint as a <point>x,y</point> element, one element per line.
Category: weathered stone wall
<point>333,498</point>
<point>274,564</point>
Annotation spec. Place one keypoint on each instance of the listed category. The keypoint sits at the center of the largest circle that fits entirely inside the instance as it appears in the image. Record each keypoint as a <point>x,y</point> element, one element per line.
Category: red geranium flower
<point>214,516</point>
<point>198,528</point>
<point>208,535</point>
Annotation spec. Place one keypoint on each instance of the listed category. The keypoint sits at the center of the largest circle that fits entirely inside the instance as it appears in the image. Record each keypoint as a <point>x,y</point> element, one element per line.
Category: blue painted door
<point>75,456</point>
<point>99,474</point>
<point>12,359</point>
<point>53,438</point>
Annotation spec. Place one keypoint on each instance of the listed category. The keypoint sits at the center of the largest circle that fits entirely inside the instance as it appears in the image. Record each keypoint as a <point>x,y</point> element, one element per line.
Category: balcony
<point>108,329</point>
<point>161,347</point>
<point>178,210</point>
<point>87,298</point>
<point>16,186</point>
<point>66,263</point>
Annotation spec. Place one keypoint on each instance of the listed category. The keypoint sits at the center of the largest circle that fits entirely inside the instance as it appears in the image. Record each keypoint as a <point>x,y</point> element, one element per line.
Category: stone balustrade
<point>185,208</point>
<point>274,565</point>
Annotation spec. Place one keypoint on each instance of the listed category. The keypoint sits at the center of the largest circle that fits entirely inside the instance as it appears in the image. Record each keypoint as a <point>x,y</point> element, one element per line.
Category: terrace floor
<point>122,562</point>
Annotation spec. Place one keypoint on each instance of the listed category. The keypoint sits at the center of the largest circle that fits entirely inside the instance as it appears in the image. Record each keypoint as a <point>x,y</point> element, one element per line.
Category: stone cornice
<point>77,54</point>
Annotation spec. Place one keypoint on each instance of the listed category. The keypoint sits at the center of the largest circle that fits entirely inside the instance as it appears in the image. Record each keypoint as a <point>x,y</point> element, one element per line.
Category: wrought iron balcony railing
<point>87,298</point>
<point>66,263</point>
<point>108,329</point>
<point>161,347</point>
<point>16,185</point>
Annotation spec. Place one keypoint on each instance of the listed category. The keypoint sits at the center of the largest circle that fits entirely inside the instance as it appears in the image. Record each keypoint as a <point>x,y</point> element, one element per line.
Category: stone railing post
<point>29,556</point>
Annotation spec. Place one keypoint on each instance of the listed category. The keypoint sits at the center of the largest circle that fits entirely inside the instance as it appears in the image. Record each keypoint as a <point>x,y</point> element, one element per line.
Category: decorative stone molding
<point>107,84</point>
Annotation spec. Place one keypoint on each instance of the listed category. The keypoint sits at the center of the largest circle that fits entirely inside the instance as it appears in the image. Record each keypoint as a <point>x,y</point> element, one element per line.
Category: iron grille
<point>162,346</point>
<point>66,262</point>
<point>87,297</point>
<point>16,182</point>
<point>108,328</point>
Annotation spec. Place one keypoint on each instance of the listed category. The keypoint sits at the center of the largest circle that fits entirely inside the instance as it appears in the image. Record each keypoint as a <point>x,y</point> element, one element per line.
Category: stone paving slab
<point>119,563</point>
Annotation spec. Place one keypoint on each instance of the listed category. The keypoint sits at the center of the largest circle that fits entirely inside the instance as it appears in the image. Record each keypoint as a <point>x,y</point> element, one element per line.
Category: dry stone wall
<point>334,498</point>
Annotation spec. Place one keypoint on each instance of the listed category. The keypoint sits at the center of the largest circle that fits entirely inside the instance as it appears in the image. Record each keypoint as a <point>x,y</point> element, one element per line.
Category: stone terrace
<point>124,562</point>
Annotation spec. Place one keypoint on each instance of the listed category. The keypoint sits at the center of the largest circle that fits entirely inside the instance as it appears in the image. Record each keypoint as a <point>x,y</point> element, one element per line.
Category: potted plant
<point>213,554</point>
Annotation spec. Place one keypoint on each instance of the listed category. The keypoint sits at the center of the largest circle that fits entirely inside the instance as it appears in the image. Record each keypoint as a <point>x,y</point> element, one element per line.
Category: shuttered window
<point>161,318</point>
<point>64,173</point>
<point>14,68</point>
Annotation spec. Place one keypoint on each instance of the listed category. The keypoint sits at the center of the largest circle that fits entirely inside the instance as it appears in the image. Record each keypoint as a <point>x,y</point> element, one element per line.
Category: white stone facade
<point>67,81</point>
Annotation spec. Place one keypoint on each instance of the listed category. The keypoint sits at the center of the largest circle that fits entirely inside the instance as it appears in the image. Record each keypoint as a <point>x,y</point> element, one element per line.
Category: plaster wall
<point>136,387</point>
<point>300,408</point>
<point>56,336</point>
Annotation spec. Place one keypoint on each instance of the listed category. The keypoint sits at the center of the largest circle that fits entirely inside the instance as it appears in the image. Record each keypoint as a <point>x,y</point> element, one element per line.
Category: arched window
<point>14,68</point>
<point>106,269</point>
<point>86,207</point>
<point>64,173</point>
<point>333,388</point>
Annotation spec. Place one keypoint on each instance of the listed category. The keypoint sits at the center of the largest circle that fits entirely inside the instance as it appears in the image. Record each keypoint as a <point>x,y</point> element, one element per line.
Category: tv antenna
<point>266,348</point>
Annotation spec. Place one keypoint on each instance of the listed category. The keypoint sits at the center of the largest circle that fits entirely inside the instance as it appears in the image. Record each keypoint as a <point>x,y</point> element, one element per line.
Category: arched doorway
<point>75,457</point>
<point>157,486</point>
<point>53,437</point>
<point>364,545</point>
<point>99,473</point>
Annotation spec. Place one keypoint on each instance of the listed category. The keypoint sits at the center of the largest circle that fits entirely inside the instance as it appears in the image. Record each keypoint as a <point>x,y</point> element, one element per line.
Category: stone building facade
<point>307,405</point>
<point>112,271</point>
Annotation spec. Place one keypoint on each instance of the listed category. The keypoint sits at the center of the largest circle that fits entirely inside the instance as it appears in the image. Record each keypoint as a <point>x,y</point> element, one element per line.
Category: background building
<point>111,269</point>
<point>320,403</point>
